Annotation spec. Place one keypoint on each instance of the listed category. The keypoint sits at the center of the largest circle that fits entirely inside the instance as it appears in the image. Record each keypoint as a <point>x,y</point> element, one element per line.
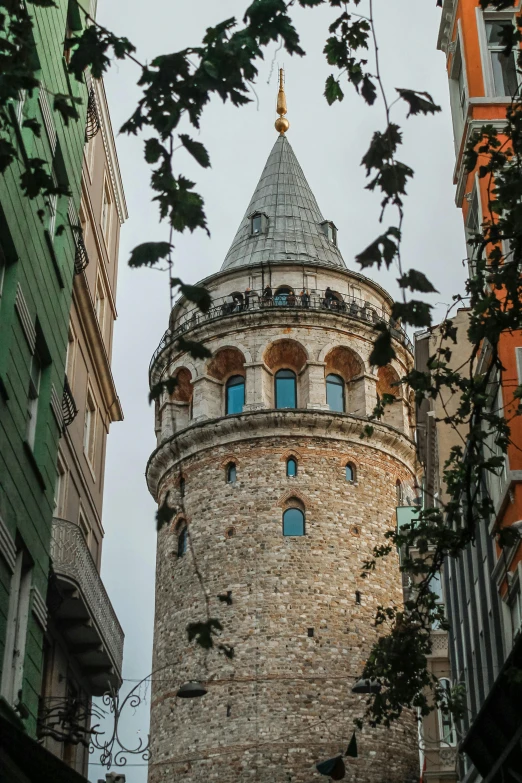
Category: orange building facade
<point>483,592</point>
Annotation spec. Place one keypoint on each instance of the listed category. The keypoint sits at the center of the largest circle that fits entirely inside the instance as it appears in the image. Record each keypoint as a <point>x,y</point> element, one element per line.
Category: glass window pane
<point>293,522</point>
<point>291,467</point>
<point>335,393</point>
<point>256,224</point>
<point>235,394</point>
<point>349,473</point>
<point>285,389</point>
<point>504,74</point>
<point>231,473</point>
<point>182,542</point>
<point>494,32</point>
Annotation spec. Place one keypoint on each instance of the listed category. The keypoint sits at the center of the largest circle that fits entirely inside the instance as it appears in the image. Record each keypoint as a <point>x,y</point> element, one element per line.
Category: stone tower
<point>278,501</point>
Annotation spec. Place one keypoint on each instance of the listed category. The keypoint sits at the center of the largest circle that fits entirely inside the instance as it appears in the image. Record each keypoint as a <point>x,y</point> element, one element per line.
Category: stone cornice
<point>267,423</point>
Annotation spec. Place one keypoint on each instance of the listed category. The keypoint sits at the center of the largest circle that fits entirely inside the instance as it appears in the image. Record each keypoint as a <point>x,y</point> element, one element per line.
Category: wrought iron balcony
<point>81,259</point>
<point>69,409</point>
<point>236,304</point>
<point>93,118</point>
<point>82,610</point>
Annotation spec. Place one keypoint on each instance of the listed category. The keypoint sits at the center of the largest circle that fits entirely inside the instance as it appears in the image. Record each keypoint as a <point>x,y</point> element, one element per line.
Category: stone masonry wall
<point>284,702</point>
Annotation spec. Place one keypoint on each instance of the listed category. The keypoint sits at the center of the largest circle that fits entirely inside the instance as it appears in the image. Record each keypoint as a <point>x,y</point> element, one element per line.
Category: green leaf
<point>196,149</point>
<point>196,349</point>
<point>194,293</point>
<point>154,150</point>
<point>164,514</point>
<point>368,90</point>
<point>383,351</point>
<point>419,102</point>
<point>33,125</point>
<point>203,632</point>
<point>333,91</point>
<point>414,312</point>
<point>416,281</point>
<point>383,249</point>
<point>149,253</point>
<point>157,390</point>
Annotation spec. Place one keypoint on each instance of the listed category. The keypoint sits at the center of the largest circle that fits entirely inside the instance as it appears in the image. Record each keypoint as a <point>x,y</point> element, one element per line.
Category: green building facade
<point>39,248</point>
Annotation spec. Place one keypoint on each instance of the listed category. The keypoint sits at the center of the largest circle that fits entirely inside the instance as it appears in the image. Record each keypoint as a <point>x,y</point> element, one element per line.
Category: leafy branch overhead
<point>175,88</point>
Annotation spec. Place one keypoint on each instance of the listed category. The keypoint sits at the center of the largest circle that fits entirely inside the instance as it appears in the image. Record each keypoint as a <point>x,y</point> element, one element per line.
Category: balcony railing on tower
<point>256,301</point>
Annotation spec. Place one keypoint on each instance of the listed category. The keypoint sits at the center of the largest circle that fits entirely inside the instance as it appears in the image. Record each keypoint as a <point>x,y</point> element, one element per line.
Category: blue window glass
<point>235,391</point>
<point>293,522</point>
<point>182,541</point>
<point>231,473</point>
<point>291,467</point>
<point>350,473</point>
<point>281,296</point>
<point>335,393</point>
<point>285,389</point>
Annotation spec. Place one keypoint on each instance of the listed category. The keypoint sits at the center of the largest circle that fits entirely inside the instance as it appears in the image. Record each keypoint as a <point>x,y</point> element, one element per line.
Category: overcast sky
<point>329,144</point>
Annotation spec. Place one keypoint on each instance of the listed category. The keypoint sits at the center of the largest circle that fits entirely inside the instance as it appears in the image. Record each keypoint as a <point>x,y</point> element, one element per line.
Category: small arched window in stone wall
<point>399,493</point>
<point>285,389</point>
<point>234,395</point>
<point>182,487</point>
<point>231,473</point>
<point>182,538</point>
<point>293,522</point>
<point>350,472</point>
<point>291,467</point>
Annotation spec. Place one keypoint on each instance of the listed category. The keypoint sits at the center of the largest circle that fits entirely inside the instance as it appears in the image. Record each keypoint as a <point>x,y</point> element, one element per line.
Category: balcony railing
<point>102,633</point>
<point>69,409</point>
<point>234,304</point>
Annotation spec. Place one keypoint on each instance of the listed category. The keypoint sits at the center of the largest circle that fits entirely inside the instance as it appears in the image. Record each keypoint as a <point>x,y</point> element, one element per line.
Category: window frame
<point>340,383</point>
<point>33,398</point>
<point>100,303</point>
<point>106,210</point>
<point>60,487</point>
<point>182,534</point>
<point>350,466</point>
<point>459,98</point>
<point>294,377</point>
<point>229,385</point>
<point>90,427</point>
<point>483,17</point>
<point>263,223</point>
<point>231,469</point>
<point>303,515</point>
<point>16,628</point>
<point>469,231</point>
<point>446,720</point>
<point>294,461</point>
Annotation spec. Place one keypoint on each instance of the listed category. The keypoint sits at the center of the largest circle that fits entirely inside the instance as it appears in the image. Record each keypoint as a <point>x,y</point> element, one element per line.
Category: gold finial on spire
<point>281,124</point>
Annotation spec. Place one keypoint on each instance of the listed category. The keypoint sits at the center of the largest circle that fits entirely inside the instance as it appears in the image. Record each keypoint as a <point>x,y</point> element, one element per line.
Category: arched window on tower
<point>293,522</point>
<point>235,395</point>
<point>231,473</point>
<point>350,472</point>
<point>291,466</point>
<point>182,539</point>
<point>258,223</point>
<point>335,393</point>
<point>399,492</point>
<point>285,389</point>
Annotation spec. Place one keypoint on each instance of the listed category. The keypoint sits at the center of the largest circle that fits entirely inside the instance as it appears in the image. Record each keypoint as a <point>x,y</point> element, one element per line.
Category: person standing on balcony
<point>248,292</point>
<point>305,298</point>
<point>267,295</point>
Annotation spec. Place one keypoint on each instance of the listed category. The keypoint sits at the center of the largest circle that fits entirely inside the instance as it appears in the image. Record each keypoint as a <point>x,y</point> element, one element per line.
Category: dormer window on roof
<point>330,231</point>
<point>258,223</point>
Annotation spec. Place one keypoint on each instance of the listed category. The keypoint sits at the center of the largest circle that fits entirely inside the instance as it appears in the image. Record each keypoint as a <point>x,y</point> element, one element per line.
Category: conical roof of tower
<point>293,231</point>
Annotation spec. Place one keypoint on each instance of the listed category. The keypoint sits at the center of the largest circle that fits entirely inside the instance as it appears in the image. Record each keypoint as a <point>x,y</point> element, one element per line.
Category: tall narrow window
<point>235,394</point>
<point>503,67</point>
<point>293,522</point>
<point>231,473</point>
<point>2,272</point>
<point>16,629</point>
<point>350,472</point>
<point>182,540</point>
<point>291,467</point>
<point>446,727</point>
<point>458,91</point>
<point>89,430</point>
<point>99,304</point>
<point>335,393</point>
<point>399,493</point>
<point>106,211</point>
<point>473,227</point>
<point>285,389</point>
<point>60,488</point>
<point>182,487</point>
<point>70,356</point>
<point>33,398</point>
